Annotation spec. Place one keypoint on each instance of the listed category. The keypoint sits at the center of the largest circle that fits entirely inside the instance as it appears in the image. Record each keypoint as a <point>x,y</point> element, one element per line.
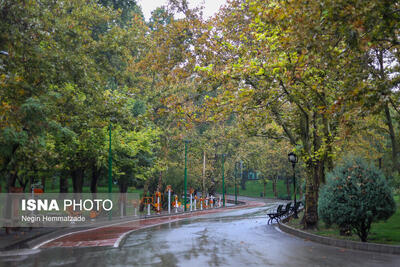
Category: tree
<point>127,8</point>
<point>277,62</point>
<point>63,61</point>
<point>372,30</point>
<point>356,195</point>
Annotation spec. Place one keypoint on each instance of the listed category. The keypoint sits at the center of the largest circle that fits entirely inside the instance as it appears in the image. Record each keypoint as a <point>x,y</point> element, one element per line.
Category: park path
<point>113,234</point>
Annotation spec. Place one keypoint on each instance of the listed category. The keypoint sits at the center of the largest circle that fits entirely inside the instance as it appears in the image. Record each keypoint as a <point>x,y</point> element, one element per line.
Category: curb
<point>370,247</point>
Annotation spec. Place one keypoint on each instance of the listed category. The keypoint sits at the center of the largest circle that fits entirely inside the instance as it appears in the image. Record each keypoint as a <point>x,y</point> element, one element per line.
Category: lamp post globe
<point>292,158</point>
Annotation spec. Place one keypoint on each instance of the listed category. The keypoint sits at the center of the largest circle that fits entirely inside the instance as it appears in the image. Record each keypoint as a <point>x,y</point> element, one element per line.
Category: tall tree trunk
<point>95,178</point>
<point>393,140</point>
<point>44,183</point>
<point>22,183</point>
<point>243,182</point>
<point>311,200</point>
<point>63,182</point>
<point>315,174</point>
<point>7,160</point>
<point>77,180</point>
<point>12,179</point>
<point>265,190</point>
<point>123,185</point>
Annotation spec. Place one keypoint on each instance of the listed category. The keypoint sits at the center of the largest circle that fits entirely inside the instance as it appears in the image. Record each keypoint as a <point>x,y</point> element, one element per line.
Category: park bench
<point>279,213</point>
<point>286,211</point>
<point>274,215</point>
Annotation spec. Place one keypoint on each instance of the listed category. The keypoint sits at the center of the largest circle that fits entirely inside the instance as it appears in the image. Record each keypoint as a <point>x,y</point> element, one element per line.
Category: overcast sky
<point>211,6</point>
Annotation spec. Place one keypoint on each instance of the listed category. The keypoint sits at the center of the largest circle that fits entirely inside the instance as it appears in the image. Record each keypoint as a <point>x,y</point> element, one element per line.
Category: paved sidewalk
<point>114,234</point>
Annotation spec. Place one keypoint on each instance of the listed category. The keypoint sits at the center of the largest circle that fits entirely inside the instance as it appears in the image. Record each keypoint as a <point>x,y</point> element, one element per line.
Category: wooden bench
<point>286,211</point>
<point>279,213</point>
<point>274,215</point>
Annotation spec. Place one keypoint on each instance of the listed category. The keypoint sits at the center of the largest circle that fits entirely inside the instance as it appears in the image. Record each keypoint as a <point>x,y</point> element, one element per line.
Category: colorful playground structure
<point>166,201</point>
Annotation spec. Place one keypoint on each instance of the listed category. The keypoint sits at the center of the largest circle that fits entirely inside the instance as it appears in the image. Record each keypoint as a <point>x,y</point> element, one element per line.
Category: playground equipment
<point>94,214</point>
<point>147,202</point>
<point>37,189</point>
<point>157,203</point>
<point>153,202</point>
<point>176,204</point>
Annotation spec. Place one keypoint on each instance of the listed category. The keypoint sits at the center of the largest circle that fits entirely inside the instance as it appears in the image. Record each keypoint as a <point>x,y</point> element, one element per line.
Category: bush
<point>355,195</point>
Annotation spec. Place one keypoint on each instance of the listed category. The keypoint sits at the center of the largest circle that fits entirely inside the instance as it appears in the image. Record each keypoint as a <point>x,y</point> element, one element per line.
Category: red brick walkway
<point>112,235</point>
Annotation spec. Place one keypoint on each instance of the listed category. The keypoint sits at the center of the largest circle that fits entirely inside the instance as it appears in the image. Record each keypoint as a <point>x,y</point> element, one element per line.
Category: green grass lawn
<point>254,188</point>
<point>382,232</point>
<point>387,232</point>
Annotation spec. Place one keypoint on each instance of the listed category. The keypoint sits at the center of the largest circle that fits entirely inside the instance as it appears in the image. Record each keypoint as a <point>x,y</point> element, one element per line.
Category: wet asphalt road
<point>237,238</point>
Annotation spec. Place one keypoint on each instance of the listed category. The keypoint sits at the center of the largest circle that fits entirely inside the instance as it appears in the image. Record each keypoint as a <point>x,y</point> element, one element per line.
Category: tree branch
<point>285,127</point>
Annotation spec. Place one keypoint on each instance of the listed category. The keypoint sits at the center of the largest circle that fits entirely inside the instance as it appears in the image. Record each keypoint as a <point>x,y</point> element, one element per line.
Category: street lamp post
<point>185,186</point>
<point>293,159</point>
<point>110,164</point>
<point>110,171</point>
<point>236,174</point>
<point>241,171</point>
<point>223,180</point>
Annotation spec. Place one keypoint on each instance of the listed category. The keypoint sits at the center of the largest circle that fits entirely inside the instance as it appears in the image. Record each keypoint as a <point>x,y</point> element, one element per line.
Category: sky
<point>211,6</point>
